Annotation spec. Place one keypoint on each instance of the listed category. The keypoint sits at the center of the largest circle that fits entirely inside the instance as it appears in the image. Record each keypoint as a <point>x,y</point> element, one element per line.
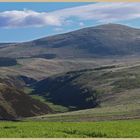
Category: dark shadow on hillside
<point>5,61</point>
<point>64,91</point>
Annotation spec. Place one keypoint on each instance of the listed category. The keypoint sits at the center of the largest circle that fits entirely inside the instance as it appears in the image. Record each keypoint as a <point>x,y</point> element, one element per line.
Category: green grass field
<point>125,129</point>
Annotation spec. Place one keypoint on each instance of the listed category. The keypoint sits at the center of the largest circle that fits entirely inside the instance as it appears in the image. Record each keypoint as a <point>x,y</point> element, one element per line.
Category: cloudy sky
<point>27,21</point>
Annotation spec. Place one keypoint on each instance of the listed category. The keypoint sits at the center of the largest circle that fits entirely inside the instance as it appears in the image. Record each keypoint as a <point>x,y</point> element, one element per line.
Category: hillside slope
<point>103,93</point>
<point>99,87</point>
<point>15,104</point>
<point>103,40</point>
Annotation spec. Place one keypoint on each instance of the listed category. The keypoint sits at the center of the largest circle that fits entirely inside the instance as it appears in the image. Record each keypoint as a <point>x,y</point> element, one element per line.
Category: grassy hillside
<point>107,129</point>
<point>112,92</point>
<point>15,104</point>
<point>116,112</point>
<point>96,86</point>
<point>39,68</point>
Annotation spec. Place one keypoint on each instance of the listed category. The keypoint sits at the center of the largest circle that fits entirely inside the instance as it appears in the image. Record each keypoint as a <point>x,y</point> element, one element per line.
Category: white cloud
<point>101,12</point>
<point>27,18</point>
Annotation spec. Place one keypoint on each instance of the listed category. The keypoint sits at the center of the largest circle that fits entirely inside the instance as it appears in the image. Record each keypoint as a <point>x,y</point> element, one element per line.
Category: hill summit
<point>103,40</point>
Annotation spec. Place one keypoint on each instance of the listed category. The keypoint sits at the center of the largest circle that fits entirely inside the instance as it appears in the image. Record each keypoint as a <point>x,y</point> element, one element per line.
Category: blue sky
<point>27,21</point>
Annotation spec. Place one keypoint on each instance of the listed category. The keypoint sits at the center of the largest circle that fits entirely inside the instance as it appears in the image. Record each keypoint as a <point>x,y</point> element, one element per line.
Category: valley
<point>92,74</point>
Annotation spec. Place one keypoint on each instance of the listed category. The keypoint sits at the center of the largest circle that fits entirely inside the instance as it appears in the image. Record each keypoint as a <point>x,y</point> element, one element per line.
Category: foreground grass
<point>129,128</point>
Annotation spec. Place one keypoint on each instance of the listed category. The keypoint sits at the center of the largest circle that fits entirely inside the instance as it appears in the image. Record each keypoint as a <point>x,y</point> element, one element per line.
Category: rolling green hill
<point>110,92</point>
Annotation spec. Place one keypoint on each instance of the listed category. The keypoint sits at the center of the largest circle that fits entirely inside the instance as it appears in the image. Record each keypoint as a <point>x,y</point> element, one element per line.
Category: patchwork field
<point>124,129</point>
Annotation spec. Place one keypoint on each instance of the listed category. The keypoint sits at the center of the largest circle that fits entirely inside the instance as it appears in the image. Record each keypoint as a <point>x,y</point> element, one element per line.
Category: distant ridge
<point>99,41</point>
